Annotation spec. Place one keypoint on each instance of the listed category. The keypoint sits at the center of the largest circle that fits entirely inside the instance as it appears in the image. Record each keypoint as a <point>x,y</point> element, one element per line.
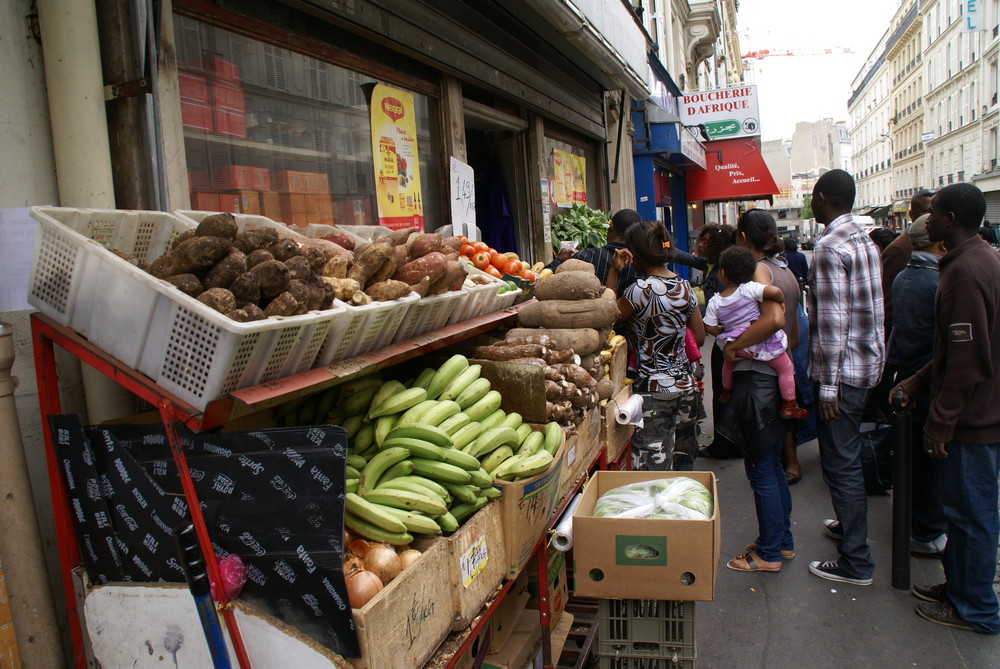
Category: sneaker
<point>929,593</point>
<point>942,613</point>
<point>833,529</point>
<point>929,549</point>
<point>831,571</point>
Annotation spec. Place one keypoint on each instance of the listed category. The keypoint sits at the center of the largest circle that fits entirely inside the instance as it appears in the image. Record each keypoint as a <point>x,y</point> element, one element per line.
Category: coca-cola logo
<point>393,108</point>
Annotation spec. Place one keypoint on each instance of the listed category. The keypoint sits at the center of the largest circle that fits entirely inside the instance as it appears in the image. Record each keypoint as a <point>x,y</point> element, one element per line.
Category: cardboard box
<point>525,508</point>
<point>229,203</point>
<point>474,654</point>
<point>261,178</point>
<point>523,649</point>
<point>205,201</point>
<point>558,586</point>
<point>193,87</point>
<point>687,558</point>
<point>618,367</point>
<point>248,201</point>
<point>292,181</point>
<point>229,122</point>
<point>196,115</point>
<point>613,435</point>
<point>508,611</point>
<point>232,177</point>
<point>477,564</point>
<point>270,205</point>
<point>223,69</point>
<point>224,94</point>
<point>581,449</point>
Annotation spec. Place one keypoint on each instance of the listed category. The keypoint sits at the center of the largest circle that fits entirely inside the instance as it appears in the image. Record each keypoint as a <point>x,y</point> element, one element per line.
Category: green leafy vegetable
<point>588,227</point>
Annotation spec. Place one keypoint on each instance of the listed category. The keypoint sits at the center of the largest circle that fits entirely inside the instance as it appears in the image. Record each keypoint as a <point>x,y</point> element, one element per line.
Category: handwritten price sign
<point>463,199</point>
<point>473,561</point>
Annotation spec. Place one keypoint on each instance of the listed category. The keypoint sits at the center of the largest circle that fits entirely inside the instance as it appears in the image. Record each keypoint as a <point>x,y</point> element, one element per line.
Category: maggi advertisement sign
<point>394,149</point>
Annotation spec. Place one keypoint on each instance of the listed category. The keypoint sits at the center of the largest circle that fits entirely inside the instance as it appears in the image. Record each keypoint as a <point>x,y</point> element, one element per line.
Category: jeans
<point>803,385</point>
<point>773,503</point>
<point>969,479</point>
<point>927,519</point>
<point>668,440</point>
<point>840,458</point>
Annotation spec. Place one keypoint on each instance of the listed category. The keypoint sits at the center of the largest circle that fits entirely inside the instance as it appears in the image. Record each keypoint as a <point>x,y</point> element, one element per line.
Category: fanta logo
<point>393,108</point>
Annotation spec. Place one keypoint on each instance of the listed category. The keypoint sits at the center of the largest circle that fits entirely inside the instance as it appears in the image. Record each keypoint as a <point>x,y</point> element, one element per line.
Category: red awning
<point>734,170</point>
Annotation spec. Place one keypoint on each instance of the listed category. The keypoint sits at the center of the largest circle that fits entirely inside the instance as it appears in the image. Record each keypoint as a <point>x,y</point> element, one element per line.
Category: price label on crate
<point>474,561</point>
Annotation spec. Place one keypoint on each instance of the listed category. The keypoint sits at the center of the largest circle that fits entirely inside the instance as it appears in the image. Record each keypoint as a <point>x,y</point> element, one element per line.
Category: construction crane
<point>760,54</point>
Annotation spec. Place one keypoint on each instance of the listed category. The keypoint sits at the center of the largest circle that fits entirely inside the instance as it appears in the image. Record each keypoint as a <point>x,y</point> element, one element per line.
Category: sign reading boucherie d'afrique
<point>725,112</point>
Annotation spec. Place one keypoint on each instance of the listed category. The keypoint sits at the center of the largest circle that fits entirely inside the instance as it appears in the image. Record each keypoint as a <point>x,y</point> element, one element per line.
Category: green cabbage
<point>680,498</point>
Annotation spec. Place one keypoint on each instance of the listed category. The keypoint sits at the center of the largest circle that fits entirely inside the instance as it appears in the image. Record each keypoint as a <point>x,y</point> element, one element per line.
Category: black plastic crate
<point>645,634</point>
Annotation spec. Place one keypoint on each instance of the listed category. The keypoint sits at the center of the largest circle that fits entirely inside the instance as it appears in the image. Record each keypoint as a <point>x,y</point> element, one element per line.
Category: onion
<point>359,547</point>
<point>349,536</point>
<point>382,560</point>
<point>407,557</point>
<point>361,587</point>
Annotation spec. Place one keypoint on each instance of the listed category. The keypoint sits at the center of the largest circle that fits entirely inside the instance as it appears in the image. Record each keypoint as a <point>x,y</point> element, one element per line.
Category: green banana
<point>288,407</point>
<point>492,493</point>
<point>532,444</point>
<point>386,391</point>
<point>522,432</point>
<point>475,392</point>
<point>351,425</point>
<point>307,412</point>
<point>463,492</point>
<point>399,402</point>
<point>466,435</point>
<point>356,461</point>
<point>417,447</point>
<point>532,465</point>
<point>513,420</point>
<point>493,439</point>
<point>376,533</point>
<point>453,424</point>
<point>416,523</point>
<point>364,439</point>
<point>407,483</point>
<point>480,478</point>
<point>497,457</point>
<point>460,459</point>
<point>428,433</point>
<point>424,378</point>
<point>495,419</point>
<point>398,470</point>
<point>359,384</point>
<point>440,471</point>
<point>413,414</point>
<point>447,522</point>
<point>437,488</point>
<point>351,473</point>
<point>372,513</point>
<point>464,379</point>
<point>354,399</point>
<point>383,425</point>
<point>553,437</point>
<point>436,415</point>
<point>463,512</point>
<point>503,472</point>
<point>404,499</point>
<point>445,374</point>
<point>327,401</point>
<point>380,462</point>
<point>350,485</point>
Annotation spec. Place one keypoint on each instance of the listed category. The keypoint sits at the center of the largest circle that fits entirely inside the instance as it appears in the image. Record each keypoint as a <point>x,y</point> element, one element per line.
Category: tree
<point>807,210</point>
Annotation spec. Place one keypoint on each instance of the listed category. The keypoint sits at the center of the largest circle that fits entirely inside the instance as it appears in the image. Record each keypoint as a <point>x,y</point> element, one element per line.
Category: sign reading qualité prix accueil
<point>726,113</point>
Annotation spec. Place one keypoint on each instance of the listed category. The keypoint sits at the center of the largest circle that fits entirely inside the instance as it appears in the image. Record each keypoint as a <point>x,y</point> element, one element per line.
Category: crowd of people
<point>913,317</point>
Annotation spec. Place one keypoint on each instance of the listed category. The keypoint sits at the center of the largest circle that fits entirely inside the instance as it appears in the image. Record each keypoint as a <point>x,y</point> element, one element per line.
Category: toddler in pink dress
<point>731,311</point>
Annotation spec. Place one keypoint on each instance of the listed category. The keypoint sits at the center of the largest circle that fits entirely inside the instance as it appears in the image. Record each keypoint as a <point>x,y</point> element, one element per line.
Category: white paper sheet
<point>17,242</point>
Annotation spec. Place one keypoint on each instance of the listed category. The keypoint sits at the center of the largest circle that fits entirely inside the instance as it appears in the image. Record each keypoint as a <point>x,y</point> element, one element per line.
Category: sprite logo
<point>722,128</point>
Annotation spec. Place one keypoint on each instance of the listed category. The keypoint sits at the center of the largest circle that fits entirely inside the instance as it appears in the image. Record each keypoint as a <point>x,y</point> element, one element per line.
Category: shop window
<point>278,133</point>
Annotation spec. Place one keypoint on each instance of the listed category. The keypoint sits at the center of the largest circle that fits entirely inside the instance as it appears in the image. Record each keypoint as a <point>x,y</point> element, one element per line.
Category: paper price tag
<point>571,455</point>
<point>474,561</point>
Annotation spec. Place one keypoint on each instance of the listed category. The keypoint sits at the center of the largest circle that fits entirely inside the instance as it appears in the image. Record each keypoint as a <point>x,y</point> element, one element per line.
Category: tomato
<point>513,267</point>
<point>463,239</point>
<point>528,275</point>
<point>493,271</point>
<point>481,261</point>
<point>481,247</point>
<point>499,261</point>
<point>467,250</point>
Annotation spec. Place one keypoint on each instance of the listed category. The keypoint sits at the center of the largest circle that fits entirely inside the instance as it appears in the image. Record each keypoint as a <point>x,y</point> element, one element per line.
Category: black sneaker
<point>831,571</point>
<point>929,593</point>
<point>833,529</point>
<point>942,613</point>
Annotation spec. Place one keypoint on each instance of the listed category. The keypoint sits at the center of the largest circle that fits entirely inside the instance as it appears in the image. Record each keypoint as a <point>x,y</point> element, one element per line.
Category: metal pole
<point>902,495</point>
<point>21,550</point>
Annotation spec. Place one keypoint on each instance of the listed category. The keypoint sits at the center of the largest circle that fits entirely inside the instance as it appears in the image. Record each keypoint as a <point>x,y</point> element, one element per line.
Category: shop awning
<point>735,170</point>
<point>881,211</point>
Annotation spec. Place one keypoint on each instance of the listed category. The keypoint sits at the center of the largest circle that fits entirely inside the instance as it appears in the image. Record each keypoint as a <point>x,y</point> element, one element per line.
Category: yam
<point>425,244</point>
<point>132,260</point>
<point>273,276</point>
<point>432,265</point>
<point>387,291</point>
<point>583,341</point>
<point>246,289</point>
<point>193,256</point>
<point>238,315</point>
<point>255,258</point>
<point>575,265</point>
<point>504,351</point>
<point>283,304</point>
<point>319,296</point>
<point>605,388</point>
<point>340,238</point>
<point>335,268</point>
<point>181,238</point>
<point>188,284</point>
<point>218,225</point>
<point>298,268</point>
<point>537,362</point>
<point>258,238</point>
<point>597,313</point>
<point>303,295</point>
<point>370,259</point>
<point>224,272</point>
<point>219,299</point>
<point>329,249</point>
<point>576,375</point>
<point>315,256</point>
<point>343,289</point>
<point>569,286</point>
<point>254,313</point>
<point>283,249</point>
<point>360,299</point>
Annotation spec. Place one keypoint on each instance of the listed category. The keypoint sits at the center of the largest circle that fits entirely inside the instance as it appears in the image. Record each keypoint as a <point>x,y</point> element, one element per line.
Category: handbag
<point>876,457</point>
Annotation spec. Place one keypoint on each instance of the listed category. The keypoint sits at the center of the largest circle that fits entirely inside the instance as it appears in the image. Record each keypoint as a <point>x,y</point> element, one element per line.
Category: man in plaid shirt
<point>846,351</point>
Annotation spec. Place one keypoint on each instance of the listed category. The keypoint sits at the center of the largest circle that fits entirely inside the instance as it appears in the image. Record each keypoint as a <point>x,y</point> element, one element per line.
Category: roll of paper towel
<point>562,535</point>
<point>630,412</point>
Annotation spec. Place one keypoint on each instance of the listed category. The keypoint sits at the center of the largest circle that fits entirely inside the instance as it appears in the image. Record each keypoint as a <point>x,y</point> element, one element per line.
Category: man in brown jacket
<point>897,254</point>
<point>963,428</point>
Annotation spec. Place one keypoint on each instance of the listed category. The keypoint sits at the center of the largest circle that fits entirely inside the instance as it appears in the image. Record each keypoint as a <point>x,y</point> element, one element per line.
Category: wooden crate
<point>477,563</point>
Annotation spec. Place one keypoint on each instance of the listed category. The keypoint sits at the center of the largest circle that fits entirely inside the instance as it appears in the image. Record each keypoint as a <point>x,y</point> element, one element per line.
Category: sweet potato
<point>224,272</point>
<point>218,225</point>
<point>188,284</point>
<point>282,305</point>
<point>255,258</point>
<point>452,279</point>
<point>432,265</point>
<point>583,341</point>
<point>329,249</point>
<point>283,249</point>
<point>569,286</point>
<point>452,243</point>
<point>597,313</point>
<point>386,291</point>
<point>575,265</point>
<point>370,259</point>
<point>258,238</point>
<point>388,267</point>
<point>335,267</point>
<point>246,289</point>
<point>193,256</point>
<point>425,244</point>
<point>341,238</point>
<point>273,276</point>
<point>343,289</point>
<point>219,299</point>
<point>421,287</point>
<point>400,236</point>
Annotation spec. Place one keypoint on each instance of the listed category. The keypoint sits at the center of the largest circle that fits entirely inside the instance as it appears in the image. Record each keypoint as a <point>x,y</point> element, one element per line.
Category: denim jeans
<point>840,458</point>
<point>927,518</point>
<point>773,503</point>
<point>800,355</point>
<point>969,480</point>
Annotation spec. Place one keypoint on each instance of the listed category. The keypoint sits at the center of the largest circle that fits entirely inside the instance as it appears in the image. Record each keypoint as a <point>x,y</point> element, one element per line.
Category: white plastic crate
<point>429,313</point>
<point>361,329</point>
<point>187,348</point>
<point>482,297</point>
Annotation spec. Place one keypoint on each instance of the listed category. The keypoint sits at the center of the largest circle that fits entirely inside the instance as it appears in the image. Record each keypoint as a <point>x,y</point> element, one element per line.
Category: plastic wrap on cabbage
<point>679,498</point>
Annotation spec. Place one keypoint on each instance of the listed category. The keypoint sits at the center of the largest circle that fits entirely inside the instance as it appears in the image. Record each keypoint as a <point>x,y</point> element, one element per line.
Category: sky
<point>808,87</point>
